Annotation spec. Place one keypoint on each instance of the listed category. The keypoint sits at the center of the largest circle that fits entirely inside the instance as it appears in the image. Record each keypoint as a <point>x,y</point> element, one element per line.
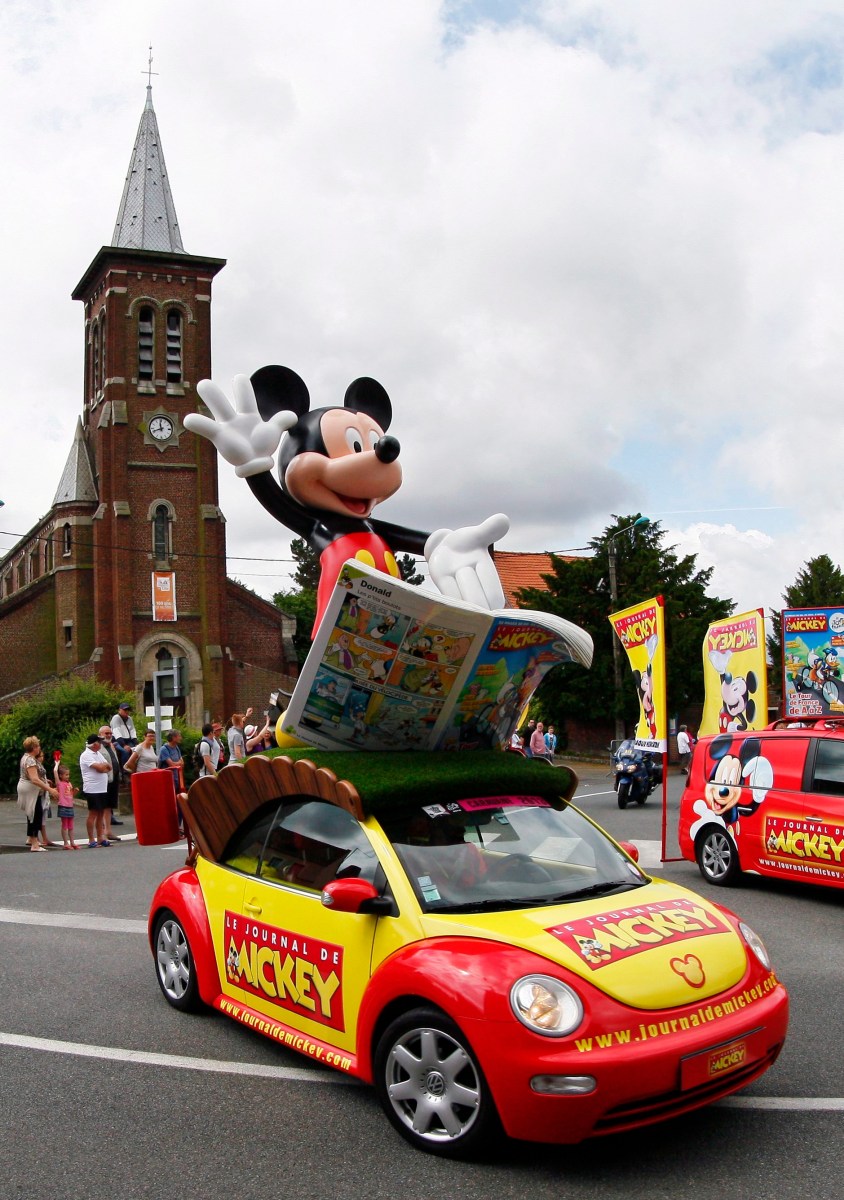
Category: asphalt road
<point>107,1092</point>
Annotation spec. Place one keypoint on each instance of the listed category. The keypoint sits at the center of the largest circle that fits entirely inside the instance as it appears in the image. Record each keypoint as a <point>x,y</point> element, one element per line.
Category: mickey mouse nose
<point>387,449</point>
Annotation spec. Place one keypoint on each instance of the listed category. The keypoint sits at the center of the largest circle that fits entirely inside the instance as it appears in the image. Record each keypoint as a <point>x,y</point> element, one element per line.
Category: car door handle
<point>253,908</point>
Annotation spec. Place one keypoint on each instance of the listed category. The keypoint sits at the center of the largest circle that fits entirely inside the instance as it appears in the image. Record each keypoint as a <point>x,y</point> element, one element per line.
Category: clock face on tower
<point>161,428</point>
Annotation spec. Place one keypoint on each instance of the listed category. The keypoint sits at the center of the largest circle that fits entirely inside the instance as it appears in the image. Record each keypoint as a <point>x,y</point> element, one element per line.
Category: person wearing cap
<point>95,769</point>
<point>254,737</point>
<point>123,732</point>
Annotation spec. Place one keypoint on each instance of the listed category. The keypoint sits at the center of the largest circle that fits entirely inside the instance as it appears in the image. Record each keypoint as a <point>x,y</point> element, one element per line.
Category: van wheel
<point>717,856</point>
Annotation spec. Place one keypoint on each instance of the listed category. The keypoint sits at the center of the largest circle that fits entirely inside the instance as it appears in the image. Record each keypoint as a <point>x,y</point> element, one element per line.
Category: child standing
<point>66,793</point>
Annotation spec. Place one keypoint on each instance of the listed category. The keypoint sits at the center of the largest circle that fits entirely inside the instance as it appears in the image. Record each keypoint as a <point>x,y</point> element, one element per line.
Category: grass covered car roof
<point>363,783</point>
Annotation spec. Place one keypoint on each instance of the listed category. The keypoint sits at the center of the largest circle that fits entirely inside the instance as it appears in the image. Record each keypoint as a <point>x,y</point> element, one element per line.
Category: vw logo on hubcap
<point>434,1083</point>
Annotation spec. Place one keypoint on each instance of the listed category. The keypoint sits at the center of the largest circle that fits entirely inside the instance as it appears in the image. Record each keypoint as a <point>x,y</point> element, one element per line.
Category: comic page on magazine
<point>395,667</point>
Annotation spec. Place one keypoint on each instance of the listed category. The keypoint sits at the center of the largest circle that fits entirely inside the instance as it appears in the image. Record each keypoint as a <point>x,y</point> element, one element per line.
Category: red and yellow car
<point>451,928</point>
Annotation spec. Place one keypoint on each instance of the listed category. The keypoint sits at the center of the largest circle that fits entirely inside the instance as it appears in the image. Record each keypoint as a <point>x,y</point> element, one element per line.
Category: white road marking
<point>146,1058</point>
<point>787,1103</point>
<point>650,852</point>
<point>18,916</point>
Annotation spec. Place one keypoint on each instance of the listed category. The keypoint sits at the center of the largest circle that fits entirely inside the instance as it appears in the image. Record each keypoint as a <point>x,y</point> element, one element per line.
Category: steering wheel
<point>519,868</point>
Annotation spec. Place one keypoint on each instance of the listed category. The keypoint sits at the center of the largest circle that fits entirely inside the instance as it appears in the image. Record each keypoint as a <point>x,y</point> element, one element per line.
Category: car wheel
<point>174,964</point>
<point>432,1088</point>
<point>717,856</point>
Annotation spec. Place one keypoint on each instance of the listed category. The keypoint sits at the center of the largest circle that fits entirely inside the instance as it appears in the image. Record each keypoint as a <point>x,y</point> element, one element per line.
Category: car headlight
<point>546,1005</point>
<point>756,945</point>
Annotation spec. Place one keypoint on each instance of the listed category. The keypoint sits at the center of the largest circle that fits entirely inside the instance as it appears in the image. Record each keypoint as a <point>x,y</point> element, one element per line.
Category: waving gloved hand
<point>461,565</point>
<point>241,435</point>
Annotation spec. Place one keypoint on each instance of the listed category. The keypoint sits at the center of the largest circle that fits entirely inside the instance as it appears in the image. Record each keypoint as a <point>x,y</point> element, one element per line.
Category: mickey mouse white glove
<point>760,774</point>
<point>461,565</point>
<point>241,435</point>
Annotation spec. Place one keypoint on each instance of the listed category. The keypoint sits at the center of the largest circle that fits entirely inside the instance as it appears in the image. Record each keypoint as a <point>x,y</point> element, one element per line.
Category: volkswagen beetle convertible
<point>452,929</point>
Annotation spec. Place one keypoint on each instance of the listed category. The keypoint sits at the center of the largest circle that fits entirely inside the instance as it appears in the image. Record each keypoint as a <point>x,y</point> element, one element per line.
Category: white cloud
<point>592,251</point>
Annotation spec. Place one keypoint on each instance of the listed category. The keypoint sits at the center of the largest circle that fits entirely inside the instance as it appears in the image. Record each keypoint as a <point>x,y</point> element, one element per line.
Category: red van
<point>769,802</point>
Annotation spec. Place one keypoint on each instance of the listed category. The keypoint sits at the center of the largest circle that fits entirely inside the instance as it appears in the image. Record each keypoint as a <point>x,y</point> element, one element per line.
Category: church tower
<point>126,573</point>
<point>157,536</point>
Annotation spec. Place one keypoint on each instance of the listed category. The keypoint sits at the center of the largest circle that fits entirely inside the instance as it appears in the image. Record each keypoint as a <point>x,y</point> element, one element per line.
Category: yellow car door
<point>289,957</point>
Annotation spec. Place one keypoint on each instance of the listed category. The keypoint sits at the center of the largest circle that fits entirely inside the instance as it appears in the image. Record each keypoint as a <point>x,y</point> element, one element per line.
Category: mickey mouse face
<point>351,476</point>
<point>735,693</point>
<point>723,791</point>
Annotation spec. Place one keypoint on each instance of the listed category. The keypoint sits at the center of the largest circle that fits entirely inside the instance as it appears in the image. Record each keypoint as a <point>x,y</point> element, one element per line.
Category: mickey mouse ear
<point>278,389</point>
<point>368,396</point>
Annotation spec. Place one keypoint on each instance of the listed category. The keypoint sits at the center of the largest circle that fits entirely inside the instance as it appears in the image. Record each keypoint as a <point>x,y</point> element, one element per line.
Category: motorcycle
<point>634,774</point>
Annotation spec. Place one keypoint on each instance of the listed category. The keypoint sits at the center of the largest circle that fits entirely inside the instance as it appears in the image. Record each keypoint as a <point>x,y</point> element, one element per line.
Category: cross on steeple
<point>149,71</point>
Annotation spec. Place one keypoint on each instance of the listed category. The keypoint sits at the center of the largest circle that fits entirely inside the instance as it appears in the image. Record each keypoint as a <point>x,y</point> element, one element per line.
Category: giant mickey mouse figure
<point>335,465</point>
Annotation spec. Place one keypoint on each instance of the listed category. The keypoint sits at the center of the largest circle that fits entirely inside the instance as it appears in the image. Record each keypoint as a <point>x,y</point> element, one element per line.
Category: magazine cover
<point>813,651</point>
<point>395,667</point>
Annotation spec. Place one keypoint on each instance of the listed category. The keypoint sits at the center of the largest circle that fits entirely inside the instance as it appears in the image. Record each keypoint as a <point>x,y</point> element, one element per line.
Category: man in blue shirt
<point>171,759</point>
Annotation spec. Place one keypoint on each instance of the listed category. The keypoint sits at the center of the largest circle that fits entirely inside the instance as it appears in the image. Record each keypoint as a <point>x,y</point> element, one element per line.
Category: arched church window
<point>174,346</point>
<point>146,345</point>
<point>102,350</point>
<point>67,540</point>
<point>48,553</point>
<point>162,532</point>
<point>95,360</point>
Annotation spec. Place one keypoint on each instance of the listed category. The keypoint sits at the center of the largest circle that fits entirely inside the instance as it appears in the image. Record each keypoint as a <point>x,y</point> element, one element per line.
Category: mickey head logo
<point>689,968</point>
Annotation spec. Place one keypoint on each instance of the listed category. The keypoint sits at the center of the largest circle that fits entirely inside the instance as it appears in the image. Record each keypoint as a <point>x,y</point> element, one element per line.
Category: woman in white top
<point>31,788</point>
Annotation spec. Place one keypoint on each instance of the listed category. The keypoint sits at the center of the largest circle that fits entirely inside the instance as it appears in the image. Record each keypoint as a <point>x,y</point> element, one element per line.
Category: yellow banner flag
<point>734,674</point>
<point>641,631</point>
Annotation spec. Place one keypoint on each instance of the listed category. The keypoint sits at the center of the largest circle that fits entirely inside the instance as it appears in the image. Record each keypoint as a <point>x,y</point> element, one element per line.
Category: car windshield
<point>505,852</point>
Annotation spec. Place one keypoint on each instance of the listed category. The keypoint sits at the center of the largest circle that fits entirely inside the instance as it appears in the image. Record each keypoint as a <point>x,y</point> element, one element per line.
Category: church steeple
<point>147,219</point>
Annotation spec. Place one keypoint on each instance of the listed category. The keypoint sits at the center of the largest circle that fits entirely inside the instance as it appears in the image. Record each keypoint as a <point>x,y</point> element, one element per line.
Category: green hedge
<point>61,718</point>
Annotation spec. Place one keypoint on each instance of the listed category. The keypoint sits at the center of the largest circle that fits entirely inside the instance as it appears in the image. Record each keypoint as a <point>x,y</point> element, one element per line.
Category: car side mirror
<point>355,896</point>
<point>630,849</point>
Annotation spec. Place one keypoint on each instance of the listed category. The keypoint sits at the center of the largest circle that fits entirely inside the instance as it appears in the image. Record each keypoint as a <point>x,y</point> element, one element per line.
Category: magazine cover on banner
<point>735,675</point>
<point>813,654</point>
<point>395,667</point>
<point>641,631</point>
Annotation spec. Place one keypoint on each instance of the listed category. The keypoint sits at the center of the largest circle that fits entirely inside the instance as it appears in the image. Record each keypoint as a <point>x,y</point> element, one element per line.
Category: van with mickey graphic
<point>768,803</point>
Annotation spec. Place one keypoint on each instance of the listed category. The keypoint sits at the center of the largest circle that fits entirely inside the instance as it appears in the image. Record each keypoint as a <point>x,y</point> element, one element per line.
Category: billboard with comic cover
<point>812,658</point>
<point>734,675</point>
<point>641,631</point>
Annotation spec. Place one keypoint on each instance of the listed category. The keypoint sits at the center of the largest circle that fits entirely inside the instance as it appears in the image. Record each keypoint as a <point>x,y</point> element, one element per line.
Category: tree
<point>300,601</point>
<point>407,566</point>
<point>819,584</point>
<point>579,589</point>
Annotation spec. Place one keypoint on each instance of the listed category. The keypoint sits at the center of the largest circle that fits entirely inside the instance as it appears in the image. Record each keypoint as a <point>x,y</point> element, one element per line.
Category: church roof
<point>77,481</point>
<point>146,219</point>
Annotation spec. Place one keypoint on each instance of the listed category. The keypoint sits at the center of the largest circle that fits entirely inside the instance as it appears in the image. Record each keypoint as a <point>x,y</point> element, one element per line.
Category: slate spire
<point>147,219</point>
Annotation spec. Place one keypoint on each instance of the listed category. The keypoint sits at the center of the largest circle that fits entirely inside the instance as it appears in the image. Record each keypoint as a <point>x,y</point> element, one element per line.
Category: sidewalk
<point>13,826</point>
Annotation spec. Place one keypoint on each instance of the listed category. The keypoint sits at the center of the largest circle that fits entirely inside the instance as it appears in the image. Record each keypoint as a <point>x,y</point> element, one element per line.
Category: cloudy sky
<point>593,250</point>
